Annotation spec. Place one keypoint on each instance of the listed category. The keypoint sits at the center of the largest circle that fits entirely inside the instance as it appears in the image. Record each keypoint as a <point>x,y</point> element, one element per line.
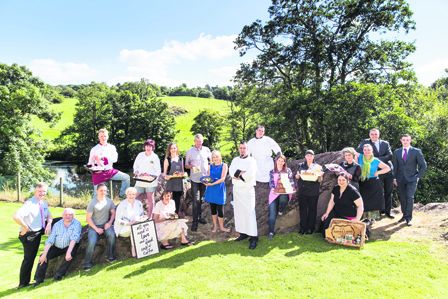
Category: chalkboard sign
<point>145,238</point>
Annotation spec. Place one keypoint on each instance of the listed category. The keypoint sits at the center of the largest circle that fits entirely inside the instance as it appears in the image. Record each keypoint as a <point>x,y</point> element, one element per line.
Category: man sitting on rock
<point>64,239</point>
<point>100,217</point>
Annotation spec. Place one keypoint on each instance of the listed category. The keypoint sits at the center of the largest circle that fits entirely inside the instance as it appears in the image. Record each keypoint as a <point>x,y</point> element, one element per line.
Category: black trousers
<point>54,252</point>
<point>177,195</point>
<point>198,190</point>
<point>308,211</point>
<point>406,192</point>
<point>30,242</point>
<point>387,180</point>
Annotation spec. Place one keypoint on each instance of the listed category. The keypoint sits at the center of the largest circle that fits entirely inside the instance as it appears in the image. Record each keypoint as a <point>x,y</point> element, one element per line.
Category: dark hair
<point>243,142</point>
<point>151,143</point>
<point>343,174</point>
<point>166,192</point>
<point>275,163</point>
<point>101,185</point>
<point>168,152</point>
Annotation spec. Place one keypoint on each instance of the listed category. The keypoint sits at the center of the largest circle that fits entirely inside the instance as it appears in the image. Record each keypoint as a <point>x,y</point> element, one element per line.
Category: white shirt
<point>34,213</point>
<point>164,210</point>
<point>249,165</point>
<point>407,151</point>
<point>107,153</point>
<point>125,214</point>
<point>147,164</point>
<point>261,149</point>
<point>199,160</point>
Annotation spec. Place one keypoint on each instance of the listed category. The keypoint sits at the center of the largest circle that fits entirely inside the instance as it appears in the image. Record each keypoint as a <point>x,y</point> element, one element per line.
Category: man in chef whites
<point>261,148</point>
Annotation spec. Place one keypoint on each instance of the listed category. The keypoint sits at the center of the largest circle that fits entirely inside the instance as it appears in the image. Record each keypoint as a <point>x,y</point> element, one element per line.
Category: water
<point>75,178</point>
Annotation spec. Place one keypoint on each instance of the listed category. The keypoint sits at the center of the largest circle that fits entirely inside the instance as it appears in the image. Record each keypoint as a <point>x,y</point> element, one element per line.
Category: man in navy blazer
<point>382,151</point>
<point>409,167</point>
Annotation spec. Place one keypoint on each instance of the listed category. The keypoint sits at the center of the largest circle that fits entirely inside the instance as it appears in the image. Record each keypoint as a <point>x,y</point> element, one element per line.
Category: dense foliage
<point>210,125</point>
<point>21,97</point>
<point>321,81</point>
<point>131,112</point>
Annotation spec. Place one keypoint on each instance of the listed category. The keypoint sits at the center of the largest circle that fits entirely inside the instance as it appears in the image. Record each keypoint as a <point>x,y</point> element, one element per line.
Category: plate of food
<point>94,168</point>
<point>311,176</point>
<point>145,178</point>
<point>206,179</point>
<point>178,175</point>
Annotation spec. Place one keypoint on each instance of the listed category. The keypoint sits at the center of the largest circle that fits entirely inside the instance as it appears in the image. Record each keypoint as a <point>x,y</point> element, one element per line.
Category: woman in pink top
<point>282,187</point>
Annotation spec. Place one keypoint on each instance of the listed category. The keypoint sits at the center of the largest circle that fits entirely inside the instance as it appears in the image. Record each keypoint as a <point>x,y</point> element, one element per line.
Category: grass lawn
<point>290,266</point>
<point>184,138</point>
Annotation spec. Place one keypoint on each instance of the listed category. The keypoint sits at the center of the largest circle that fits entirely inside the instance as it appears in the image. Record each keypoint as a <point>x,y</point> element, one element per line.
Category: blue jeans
<point>279,204</point>
<point>125,183</point>
<point>92,238</point>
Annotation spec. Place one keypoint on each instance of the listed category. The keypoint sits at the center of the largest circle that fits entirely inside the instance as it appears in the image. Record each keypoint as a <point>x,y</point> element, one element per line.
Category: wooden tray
<point>341,230</point>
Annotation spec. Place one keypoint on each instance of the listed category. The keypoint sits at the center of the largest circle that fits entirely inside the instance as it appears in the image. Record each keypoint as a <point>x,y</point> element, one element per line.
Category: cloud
<point>55,72</point>
<point>429,72</point>
<point>180,62</point>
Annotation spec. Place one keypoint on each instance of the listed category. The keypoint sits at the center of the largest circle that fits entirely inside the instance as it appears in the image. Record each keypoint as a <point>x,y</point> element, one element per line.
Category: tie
<point>42,219</point>
<point>405,155</point>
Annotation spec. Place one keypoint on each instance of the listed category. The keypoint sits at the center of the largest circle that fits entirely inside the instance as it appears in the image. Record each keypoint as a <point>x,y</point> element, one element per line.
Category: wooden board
<point>343,232</point>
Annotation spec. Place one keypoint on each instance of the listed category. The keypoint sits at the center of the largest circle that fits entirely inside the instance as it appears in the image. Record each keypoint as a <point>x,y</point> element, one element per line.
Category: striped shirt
<point>61,235</point>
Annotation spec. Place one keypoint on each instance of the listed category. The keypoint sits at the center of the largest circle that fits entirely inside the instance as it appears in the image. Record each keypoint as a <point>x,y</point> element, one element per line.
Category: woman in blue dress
<point>215,194</point>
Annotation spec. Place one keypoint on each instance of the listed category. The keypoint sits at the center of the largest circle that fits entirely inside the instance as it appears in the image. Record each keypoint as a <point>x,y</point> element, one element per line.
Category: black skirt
<point>372,194</point>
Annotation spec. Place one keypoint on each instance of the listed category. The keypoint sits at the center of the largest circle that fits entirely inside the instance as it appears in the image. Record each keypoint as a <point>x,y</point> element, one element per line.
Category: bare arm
<point>384,168</point>
<point>329,207</point>
<point>68,254</point>
<point>359,208</point>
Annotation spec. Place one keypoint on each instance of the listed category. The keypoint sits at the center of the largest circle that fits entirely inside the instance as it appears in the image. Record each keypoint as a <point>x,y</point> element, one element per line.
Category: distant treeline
<point>218,92</point>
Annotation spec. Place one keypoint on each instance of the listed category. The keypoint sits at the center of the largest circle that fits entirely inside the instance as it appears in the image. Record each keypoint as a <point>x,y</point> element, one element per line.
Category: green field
<point>184,138</point>
<point>290,266</point>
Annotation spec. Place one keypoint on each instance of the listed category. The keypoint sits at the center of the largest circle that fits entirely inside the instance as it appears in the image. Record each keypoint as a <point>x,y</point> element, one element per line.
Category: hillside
<point>184,138</point>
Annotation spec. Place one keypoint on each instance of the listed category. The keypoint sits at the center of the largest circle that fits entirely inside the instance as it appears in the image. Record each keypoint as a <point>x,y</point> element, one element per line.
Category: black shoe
<point>253,244</point>
<point>87,268</point>
<point>194,227</point>
<point>402,219</point>
<point>309,232</point>
<point>202,221</point>
<point>241,237</point>
<point>390,216</point>
<point>37,283</point>
<point>408,223</point>
<point>111,260</point>
<point>302,231</point>
<point>21,286</point>
<point>57,277</point>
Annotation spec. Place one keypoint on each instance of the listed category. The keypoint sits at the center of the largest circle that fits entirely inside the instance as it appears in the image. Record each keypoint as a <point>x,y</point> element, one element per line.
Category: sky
<point>168,42</point>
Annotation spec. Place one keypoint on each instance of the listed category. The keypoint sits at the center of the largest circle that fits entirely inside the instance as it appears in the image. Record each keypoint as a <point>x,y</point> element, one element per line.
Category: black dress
<point>355,170</point>
<point>344,205</point>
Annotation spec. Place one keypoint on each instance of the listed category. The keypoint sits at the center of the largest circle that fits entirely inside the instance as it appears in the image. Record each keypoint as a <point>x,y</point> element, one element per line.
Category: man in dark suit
<point>409,167</point>
<point>382,151</point>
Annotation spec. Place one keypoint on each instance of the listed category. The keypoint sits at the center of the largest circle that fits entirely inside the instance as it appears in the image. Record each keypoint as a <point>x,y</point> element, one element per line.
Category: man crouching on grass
<point>64,239</point>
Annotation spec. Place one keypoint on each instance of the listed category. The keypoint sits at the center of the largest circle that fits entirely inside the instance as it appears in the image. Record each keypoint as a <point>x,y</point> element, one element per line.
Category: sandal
<point>166,247</point>
<point>189,243</point>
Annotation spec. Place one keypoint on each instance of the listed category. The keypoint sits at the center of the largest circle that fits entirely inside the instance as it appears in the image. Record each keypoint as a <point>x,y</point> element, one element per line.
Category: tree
<point>308,50</point>
<point>21,97</point>
<point>209,124</point>
<point>129,111</point>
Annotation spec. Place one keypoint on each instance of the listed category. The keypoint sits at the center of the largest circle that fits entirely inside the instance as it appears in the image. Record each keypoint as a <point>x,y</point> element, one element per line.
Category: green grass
<point>290,266</point>
<point>67,107</point>
<point>184,138</point>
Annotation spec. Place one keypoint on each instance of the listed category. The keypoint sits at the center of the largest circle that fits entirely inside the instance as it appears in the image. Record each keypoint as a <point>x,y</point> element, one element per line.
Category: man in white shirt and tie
<point>34,219</point>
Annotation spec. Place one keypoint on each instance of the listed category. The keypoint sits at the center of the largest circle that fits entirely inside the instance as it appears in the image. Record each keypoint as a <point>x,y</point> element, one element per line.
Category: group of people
<point>364,187</point>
